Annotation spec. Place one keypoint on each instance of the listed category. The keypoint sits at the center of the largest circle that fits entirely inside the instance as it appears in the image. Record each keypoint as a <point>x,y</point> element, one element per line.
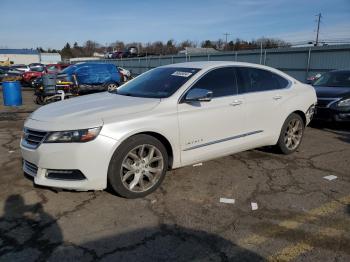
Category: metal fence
<point>298,62</point>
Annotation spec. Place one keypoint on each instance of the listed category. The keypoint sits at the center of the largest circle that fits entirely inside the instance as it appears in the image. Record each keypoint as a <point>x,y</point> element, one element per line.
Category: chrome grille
<point>33,138</point>
<point>30,168</point>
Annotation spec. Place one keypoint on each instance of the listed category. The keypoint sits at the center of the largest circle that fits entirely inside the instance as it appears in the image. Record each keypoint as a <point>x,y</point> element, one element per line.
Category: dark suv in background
<point>333,96</point>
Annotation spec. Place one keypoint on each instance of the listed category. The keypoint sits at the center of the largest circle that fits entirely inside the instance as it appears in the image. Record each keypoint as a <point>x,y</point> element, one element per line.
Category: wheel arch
<point>165,142</point>
<point>301,114</point>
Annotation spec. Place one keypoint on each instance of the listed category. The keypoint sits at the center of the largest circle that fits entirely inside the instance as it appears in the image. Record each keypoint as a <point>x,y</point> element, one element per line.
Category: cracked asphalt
<point>301,216</point>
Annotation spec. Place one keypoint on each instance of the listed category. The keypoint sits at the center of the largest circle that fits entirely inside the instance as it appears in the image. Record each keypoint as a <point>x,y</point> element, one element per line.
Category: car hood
<point>88,111</point>
<point>330,91</point>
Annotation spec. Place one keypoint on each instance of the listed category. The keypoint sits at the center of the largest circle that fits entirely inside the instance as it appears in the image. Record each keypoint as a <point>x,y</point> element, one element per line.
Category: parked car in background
<point>20,68</point>
<point>37,66</point>
<point>108,55</point>
<point>333,96</point>
<point>5,68</point>
<point>91,76</point>
<point>35,72</point>
<point>313,78</point>
<point>126,74</point>
<point>10,70</point>
<point>6,74</point>
<point>55,68</point>
<point>168,117</point>
<point>116,55</point>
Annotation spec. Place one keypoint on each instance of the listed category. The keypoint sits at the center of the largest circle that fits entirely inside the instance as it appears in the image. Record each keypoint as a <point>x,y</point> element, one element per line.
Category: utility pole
<point>226,35</point>
<point>319,16</point>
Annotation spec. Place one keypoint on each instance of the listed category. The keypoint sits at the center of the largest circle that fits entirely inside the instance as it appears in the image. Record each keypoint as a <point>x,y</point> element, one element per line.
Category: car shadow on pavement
<point>161,243</point>
<point>28,233</point>
<point>340,129</point>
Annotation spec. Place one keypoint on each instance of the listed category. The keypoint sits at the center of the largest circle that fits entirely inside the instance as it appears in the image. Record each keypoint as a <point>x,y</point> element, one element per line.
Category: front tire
<point>291,134</point>
<point>138,166</point>
<point>111,87</point>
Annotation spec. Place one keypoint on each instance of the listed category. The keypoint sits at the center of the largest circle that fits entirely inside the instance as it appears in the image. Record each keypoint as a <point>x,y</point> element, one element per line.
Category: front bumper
<point>91,158</point>
<point>330,115</point>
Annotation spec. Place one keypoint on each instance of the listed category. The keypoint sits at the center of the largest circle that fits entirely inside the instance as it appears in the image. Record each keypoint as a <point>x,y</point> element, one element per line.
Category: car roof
<point>210,64</point>
<point>206,65</point>
<point>92,64</point>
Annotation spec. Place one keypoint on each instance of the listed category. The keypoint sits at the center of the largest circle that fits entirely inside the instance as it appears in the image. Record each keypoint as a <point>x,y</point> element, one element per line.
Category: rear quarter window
<point>259,80</point>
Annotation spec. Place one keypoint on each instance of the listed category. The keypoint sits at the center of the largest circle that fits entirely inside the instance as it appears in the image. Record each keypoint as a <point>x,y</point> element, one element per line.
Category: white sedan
<point>166,118</point>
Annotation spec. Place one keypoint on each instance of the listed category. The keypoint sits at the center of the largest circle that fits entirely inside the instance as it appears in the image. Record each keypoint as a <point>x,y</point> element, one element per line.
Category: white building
<point>20,56</point>
<point>197,51</point>
<point>50,58</point>
<point>28,56</point>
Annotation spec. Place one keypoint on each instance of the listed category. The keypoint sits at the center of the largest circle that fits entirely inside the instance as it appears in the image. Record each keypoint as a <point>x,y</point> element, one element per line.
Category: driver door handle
<point>277,97</point>
<point>236,103</point>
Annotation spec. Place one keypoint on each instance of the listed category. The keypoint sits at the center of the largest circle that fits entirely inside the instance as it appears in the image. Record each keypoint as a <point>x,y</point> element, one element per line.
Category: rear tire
<point>138,166</point>
<point>291,134</point>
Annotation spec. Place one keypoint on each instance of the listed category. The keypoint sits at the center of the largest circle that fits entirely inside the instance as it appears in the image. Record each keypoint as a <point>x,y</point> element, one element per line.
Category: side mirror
<point>198,94</point>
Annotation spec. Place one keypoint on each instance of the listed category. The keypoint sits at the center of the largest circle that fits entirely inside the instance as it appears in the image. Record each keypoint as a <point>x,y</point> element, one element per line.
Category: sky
<point>52,23</point>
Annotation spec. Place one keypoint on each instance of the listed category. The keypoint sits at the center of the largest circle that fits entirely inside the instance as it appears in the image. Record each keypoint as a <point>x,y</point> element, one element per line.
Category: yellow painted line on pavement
<point>294,250</point>
<point>297,221</point>
<point>290,252</point>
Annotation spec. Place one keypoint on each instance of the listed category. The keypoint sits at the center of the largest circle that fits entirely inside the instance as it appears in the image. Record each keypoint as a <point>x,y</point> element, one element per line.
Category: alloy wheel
<point>111,87</point>
<point>293,134</point>
<point>142,168</point>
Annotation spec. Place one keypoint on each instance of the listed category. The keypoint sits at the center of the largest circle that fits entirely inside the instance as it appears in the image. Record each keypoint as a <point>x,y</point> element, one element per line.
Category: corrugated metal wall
<point>297,62</point>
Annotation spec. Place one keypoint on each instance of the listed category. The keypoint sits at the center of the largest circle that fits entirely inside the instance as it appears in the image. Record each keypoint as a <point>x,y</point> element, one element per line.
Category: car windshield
<point>37,69</point>
<point>334,79</point>
<point>158,83</point>
<point>69,70</point>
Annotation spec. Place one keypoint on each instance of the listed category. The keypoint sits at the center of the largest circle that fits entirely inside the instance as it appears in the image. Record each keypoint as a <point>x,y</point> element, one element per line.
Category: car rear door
<point>265,95</point>
<point>214,128</point>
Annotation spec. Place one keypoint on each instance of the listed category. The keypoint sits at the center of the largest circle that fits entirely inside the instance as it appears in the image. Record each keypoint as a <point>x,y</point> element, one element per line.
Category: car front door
<point>265,94</point>
<point>212,128</point>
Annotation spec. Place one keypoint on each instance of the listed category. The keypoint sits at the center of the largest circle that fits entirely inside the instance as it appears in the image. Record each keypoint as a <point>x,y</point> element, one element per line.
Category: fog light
<point>65,174</point>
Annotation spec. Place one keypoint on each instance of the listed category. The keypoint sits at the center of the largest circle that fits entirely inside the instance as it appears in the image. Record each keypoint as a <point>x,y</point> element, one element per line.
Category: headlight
<point>73,136</point>
<point>345,102</point>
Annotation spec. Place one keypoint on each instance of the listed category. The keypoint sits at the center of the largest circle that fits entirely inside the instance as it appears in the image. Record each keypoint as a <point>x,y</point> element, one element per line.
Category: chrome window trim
<point>289,86</point>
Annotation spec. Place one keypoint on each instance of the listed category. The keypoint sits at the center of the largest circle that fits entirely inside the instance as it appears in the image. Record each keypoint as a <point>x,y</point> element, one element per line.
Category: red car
<point>28,77</point>
<point>55,68</point>
<point>34,73</point>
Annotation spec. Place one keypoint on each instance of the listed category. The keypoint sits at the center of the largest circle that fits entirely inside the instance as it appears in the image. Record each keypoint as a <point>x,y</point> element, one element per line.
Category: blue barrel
<point>12,93</point>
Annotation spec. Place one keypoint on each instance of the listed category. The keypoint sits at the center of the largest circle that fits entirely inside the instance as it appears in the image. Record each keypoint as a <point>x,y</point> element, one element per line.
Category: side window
<point>257,80</point>
<point>221,81</point>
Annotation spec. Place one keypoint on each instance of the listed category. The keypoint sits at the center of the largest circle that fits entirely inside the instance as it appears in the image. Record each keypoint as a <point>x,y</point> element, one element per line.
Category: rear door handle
<point>278,97</point>
<point>236,103</point>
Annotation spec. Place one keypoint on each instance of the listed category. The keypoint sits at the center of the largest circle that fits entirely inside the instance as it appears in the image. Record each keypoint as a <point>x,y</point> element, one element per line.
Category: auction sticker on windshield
<point>183,74</point>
